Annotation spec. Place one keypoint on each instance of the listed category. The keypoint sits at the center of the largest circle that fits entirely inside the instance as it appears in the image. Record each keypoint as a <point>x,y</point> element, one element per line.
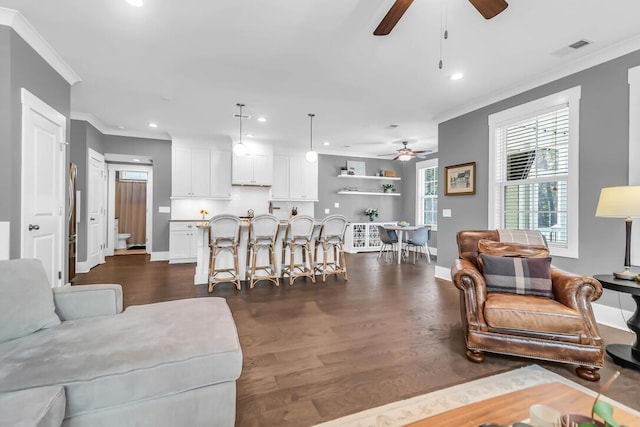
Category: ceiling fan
<point>487,8</point>
<point>405,153</point>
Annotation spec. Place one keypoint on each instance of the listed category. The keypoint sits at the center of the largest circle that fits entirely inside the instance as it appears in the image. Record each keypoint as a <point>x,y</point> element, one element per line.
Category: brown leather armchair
<point>562,329</point>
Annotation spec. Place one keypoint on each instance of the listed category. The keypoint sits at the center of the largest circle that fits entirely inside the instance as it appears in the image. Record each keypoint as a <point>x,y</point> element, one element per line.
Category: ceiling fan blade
<point>392,17</point>
<point>489,8</point>
<point>388,154</point>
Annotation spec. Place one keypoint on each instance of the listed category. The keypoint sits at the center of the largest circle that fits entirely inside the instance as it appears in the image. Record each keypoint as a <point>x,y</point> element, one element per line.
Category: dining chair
<point>263,231</point>
<point>297,238</point>
<point>389,240</point>
<point>331,239</point>
<point>224,236</point>
<point>418,241</point>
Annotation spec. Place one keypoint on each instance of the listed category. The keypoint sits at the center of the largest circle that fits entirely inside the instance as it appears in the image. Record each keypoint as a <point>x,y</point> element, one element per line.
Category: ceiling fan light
<point>135,3</point>
<point>456,76</point>
<point>404,157</point>
<point>239,149</point>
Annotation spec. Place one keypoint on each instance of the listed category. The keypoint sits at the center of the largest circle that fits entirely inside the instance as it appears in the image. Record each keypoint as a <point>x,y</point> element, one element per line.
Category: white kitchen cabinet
<point>255,168</point>
<point>280,187</point>
<point>220,174</point>
<point>182,242</point>
<point>295,179</point>
<point>190,172</point>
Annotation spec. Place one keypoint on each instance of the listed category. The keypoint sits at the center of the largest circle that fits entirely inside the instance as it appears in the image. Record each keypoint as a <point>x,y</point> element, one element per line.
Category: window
<point>427,186</point>
<point>534,169</point>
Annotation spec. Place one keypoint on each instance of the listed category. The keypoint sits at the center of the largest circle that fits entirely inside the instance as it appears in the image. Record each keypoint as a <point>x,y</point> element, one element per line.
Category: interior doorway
<point>130,209</point>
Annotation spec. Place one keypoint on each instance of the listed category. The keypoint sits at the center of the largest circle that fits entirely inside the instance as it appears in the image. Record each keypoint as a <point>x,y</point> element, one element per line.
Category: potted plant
<point>388,187</point>
<point>599,408</point>
<point>371,213</point>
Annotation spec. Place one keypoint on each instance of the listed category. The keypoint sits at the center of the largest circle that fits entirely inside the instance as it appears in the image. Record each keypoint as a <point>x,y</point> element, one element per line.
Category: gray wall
<point>160,151</point>
<point>352,206</point>
<point>85,136</point>
<point>604,147</point>
<point>21,67</point>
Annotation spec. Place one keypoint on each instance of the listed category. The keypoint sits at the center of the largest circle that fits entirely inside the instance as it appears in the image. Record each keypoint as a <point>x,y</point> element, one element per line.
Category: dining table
<point>399,229</point>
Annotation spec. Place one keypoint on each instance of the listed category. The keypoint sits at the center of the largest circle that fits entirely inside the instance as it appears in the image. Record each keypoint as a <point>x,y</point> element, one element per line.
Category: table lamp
<point>621,202</point>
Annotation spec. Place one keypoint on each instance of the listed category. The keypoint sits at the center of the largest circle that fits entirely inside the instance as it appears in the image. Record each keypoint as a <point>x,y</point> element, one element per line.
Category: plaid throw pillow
<point>515,275</point>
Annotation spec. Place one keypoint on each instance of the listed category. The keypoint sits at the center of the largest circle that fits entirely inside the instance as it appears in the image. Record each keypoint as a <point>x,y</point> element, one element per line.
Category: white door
<point>43,172</point>
<point>95,209</point>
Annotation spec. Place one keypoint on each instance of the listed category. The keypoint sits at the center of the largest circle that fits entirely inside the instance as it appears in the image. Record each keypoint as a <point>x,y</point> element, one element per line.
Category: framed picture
<point>460,180</point>
<point>356,168</point>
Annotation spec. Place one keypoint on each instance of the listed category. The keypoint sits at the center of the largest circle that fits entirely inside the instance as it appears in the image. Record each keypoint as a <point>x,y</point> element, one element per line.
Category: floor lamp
<point>621,202</point>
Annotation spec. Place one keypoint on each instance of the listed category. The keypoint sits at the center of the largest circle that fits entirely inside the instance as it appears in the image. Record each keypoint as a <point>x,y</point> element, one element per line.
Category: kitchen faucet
<point>272,208</point>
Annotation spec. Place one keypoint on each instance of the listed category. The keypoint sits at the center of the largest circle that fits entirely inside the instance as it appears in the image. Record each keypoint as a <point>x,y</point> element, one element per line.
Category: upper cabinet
<point>295,179</point>
<point>255,168</point>
<point>200,172</point>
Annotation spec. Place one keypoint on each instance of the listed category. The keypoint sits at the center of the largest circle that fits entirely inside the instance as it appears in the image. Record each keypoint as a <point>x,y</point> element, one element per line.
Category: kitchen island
<point>225,260</point>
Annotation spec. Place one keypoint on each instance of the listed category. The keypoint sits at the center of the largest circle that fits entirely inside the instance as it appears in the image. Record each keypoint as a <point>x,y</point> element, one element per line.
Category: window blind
<point>532,171</point>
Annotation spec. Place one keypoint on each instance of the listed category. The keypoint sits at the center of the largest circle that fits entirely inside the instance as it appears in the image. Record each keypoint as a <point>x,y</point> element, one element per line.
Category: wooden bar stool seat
<point>224,236</point>
<point>331,238</point>
<point>297,238</point>
<point>263,231</point>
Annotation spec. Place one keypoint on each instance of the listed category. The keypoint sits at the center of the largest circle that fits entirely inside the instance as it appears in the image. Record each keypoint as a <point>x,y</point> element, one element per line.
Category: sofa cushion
<point>523,276</point>
<point>146,352</point>
<point>531,313</point>
<point>26,300</point>
<point>35,407</point>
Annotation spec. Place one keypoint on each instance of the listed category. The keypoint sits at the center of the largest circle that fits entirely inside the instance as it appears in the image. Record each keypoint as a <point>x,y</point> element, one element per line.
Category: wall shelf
<point>386,178</point>
<point>369,193</point>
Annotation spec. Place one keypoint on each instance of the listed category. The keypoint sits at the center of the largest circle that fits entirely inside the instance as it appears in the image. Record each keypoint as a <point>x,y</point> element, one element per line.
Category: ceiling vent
<point>579,44</point>
<point>243,116</point>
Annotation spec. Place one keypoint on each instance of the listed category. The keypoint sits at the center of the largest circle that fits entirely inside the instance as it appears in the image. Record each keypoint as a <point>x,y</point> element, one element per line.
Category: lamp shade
<point>619,202</point>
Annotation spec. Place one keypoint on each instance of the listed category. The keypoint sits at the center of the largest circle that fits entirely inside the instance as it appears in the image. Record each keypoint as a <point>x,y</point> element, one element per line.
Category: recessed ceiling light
<point>456,76</point>
<point>153,125</point>
<point>135,3</point>
<point>136,160</point>
<point>249,135</point>
<point>325,143</point>
<point>262,119</point>
<point>120,127</point>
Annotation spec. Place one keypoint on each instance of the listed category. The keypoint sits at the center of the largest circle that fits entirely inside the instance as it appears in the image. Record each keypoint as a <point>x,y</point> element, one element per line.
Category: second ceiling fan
<point>487,8</point>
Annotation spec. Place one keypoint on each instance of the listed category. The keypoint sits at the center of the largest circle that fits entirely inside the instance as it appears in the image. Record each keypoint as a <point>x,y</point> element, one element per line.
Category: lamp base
<point>625,275</point>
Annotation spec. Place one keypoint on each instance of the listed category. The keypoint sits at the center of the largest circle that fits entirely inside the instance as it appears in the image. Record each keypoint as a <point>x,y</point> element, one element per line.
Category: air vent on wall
<point>579,44</point>
<point>244,116</point>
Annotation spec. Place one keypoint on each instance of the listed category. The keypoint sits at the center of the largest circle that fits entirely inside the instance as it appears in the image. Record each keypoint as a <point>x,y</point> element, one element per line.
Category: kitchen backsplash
<point>242,199</point>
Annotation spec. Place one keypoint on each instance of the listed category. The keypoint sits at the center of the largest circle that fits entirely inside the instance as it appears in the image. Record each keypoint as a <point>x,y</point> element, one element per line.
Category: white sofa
<point>166,364</point>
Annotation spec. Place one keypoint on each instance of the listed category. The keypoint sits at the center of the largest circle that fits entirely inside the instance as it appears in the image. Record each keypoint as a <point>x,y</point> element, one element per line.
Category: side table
<point>625,355</point>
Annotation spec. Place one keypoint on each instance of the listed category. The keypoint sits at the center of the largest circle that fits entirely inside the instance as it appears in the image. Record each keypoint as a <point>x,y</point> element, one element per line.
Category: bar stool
<point>298,238</point>
<point>331,237</point>
<point>224,236</point>
<point>263,231</point>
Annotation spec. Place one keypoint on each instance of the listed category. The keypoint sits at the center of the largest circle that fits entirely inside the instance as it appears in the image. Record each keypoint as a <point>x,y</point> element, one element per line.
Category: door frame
<point>32,102</point>
<point>111,203</point>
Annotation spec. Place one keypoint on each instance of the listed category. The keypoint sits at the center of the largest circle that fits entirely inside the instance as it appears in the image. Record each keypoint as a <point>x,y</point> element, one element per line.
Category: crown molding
<point>15,20</point>
<point>598,57</point>
<point>106,130</point>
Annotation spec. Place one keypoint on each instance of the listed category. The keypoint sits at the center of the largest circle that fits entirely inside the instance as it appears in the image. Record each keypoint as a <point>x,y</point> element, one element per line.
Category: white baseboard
<point>160,256</point>
<point>4,239</point>
<point>82,267</point>
<point>443,273</point>
<point>611,316</point>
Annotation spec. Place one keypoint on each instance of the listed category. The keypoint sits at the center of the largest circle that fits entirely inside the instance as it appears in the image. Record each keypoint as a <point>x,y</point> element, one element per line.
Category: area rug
<point>407,411</point>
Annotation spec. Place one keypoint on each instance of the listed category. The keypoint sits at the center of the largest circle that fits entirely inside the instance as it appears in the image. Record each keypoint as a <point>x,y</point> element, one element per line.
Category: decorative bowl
<point>403,224</point>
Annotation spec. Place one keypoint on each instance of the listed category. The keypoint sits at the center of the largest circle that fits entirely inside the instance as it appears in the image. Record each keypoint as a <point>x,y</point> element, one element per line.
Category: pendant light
<point>311,156</point>
<point>239,149</point>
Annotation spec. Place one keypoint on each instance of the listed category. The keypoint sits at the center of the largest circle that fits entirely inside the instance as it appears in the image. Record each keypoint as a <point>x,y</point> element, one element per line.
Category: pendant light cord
<point>311,115</point>
<point>240,105</point>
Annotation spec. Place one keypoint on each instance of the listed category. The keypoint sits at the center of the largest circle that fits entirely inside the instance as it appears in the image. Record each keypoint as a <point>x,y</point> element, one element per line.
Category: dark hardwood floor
<point>313,353</point>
